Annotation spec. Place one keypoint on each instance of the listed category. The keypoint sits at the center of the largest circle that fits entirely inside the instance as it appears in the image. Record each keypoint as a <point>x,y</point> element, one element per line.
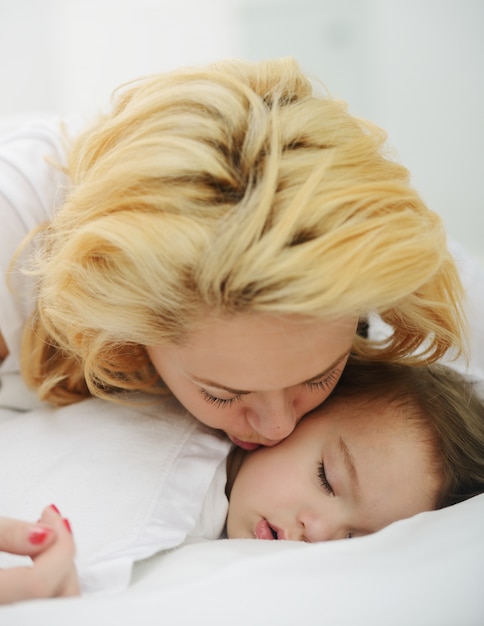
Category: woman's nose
<point>272,415</point>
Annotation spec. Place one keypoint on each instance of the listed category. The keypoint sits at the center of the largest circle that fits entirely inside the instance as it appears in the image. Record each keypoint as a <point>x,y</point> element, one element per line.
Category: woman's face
<point>349,469</point>
<point>255,376</point>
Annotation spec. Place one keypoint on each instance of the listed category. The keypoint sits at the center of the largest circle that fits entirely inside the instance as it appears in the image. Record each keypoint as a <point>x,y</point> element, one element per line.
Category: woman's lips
<point>264,530</point>
<point>245,445</point>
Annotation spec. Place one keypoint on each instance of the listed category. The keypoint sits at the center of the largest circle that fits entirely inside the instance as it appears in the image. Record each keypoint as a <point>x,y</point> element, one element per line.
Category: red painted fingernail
<point>54,508</point>
<point>38,535</point>
<point>67,524</point>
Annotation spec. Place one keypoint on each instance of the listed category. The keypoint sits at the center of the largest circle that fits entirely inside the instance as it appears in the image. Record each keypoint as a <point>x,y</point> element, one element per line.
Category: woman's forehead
<point>266,352</point>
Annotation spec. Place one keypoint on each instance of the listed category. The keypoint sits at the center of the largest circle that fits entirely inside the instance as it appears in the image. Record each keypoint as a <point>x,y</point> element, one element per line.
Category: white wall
<point>412,66</point>
<point>65,55</point>
<point>415,67</point>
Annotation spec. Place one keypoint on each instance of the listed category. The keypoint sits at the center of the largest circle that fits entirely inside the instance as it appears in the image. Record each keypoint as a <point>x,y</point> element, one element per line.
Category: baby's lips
<point>263,530</point>
<point>281,535</point>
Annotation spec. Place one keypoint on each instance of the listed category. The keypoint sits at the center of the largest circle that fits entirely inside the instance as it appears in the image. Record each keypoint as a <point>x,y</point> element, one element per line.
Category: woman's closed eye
<point>324,383</point>
<point>218,402</point>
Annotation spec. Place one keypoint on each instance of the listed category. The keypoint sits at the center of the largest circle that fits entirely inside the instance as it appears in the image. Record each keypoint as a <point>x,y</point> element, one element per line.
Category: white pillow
<point>132,481</point>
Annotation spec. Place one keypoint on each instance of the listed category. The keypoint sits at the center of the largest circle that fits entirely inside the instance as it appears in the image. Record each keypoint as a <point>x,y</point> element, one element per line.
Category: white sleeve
<point>31,187</point>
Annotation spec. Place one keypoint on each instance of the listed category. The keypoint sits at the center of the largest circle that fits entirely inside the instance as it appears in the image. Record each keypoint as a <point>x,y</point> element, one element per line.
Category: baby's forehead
<point>359,398</point>
<point>390,408</point>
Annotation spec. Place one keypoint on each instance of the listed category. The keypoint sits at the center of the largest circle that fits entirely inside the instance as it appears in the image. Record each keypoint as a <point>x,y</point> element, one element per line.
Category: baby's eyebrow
<point>212,383</point>
<point>350,465</point>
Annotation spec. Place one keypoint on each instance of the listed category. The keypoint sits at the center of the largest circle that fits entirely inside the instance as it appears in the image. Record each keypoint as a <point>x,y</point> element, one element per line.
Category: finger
<point>28,583</point>
<point>52,518</point>
<point>55,567</point>
<point>70,586</point>
<point>17,584</point>
<point>50,515</point>
<point>53,572</point>
<point>25,538</point>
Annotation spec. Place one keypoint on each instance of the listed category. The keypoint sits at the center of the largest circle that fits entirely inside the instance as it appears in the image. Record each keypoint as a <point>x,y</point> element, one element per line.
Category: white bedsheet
<point>425,571</point>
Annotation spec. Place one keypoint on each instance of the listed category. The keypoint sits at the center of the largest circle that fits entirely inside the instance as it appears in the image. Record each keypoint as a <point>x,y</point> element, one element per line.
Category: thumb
<point>19,537</point>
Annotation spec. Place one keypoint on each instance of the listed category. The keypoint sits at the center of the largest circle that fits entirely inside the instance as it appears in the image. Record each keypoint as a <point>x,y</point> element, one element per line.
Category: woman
<point>225,222</point>
<point>224,233</point>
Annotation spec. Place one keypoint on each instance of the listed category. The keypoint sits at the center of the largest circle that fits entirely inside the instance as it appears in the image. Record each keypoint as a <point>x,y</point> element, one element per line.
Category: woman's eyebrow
<point>212,383</point>
<point>350,465</point>
<point>328,369</point>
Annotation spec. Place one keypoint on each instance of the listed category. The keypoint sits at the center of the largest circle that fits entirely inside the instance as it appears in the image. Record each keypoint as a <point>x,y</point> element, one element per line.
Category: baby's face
<point>349,469</point>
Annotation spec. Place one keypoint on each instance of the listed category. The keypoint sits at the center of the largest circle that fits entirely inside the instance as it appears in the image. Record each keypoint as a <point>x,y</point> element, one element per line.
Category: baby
<point>390,442</point>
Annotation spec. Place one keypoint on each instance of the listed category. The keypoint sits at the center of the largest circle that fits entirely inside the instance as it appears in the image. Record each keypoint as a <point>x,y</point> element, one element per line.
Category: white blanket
<point>424,571</point>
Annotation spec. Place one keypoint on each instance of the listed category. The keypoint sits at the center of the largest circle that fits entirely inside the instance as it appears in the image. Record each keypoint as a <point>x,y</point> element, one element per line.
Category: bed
<point>423,571</point>
<point>426,570</point>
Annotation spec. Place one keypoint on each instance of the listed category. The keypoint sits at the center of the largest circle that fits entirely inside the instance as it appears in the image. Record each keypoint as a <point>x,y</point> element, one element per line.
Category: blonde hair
<point>232,188</point>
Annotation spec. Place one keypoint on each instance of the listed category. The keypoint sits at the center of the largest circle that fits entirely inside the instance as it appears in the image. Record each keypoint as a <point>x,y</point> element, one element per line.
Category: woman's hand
<point>50,545</point>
